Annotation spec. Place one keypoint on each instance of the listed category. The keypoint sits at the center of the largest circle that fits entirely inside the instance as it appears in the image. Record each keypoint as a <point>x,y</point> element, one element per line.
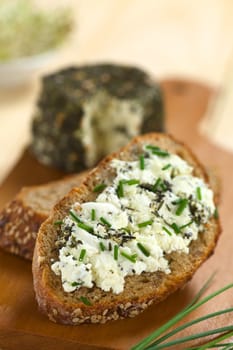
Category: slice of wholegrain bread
<point>21,218</point>
<point>140,290</point>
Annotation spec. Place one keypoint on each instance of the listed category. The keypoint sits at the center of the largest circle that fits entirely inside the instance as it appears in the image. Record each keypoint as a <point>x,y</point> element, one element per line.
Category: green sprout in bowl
<point>27,30</point>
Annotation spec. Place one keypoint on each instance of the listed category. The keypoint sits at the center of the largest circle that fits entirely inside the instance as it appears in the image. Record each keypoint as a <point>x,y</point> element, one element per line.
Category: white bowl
<point>22,70</point>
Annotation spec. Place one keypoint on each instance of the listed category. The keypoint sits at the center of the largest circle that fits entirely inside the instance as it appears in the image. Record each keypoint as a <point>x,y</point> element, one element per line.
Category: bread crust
<point>21,218</point>
<point>140,290</point>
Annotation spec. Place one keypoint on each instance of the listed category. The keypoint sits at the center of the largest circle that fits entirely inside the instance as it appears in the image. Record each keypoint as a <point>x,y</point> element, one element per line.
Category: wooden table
<point>20,321</point>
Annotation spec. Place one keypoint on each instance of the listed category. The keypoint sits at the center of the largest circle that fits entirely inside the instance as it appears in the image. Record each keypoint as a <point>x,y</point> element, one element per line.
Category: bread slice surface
<point>21,218</point>
<point>140,290</point>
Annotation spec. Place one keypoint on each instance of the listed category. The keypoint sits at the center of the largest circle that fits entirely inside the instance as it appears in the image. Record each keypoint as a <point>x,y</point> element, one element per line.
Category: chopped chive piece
<point>58,223</point>
<point>126,229</point>
<point>85,301</point>
<point>166,166</point>
<point>175,227</point>
<point>120,189</point>
<point>116,249</point>
<point>216,213</point>
<point>145,223</point>
<point>186,225</point>
<point>132,182</point>
<point>143,249</point>
<point>75,284</point>
<point>142,162</point>
<point>163,186</point>
<point>75,217</point>
<point>99,188</point>
<point>157,151</point>
<point>157,183</point>
<point>166,230</point>
<point>131,258</point>
<point>105,222</point>
<point>86,227</point>
<point>102,246</point>
<point>181,206</point>
<point>82,254</point>
<point>92,214</point>
<point>198,191</point>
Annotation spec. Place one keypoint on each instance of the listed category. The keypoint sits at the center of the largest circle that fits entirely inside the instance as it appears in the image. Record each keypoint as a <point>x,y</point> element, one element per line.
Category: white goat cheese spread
<point>153,207</point>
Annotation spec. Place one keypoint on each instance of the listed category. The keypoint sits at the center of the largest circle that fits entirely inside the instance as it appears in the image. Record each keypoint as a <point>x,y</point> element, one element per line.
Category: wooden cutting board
<point>20,321</point>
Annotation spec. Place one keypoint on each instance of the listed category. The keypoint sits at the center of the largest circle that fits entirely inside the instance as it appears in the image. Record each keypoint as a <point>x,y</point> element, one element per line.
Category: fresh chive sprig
<point>155,340</point>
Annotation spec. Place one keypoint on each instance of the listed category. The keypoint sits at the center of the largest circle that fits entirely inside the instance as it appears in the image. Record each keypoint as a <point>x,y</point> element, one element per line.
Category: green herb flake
<point>58,223</point>
<point>82,254</point>
<point>198,193</point>
<point>75,217</point>
<point>99,187</point>
<point>120,189</point>
<point>157,151</point>
<point>181,206</point>
<point>115,252</point>
<point>105,222</point>
<point>93,214</point>
<point>157,183</point>
<point>132,182</point>
<point>126,229</point>
<point>163,186</point>
<point>85,301</point>
<point>166,166</point>
<point>175,227</point>
<point>216,215</point>
<point>145,223</point>
<point>186,225</point>
<point>132,258</point>
<point>86,227</point>
<point>143,249</point>
<point>102,246</point>
<point>76,284</point>
<point>142,162</point>
<point>166,230</point>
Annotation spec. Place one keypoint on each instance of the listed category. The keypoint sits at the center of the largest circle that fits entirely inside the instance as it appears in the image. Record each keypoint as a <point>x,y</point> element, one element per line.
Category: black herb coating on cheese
<point>56,137</point>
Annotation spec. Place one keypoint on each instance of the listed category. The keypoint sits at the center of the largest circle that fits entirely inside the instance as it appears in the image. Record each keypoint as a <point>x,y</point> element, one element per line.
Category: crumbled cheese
<point>131,233</point>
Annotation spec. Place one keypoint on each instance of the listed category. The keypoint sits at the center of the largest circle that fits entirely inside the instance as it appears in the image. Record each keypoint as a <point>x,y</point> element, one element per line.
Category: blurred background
<point>190,40</point>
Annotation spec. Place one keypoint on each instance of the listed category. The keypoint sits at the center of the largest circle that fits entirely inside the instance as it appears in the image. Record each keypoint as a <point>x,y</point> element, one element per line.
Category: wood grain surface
<point>21,324</point>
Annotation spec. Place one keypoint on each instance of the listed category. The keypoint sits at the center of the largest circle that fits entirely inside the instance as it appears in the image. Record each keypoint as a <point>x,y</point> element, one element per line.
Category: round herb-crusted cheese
<point>87,112</point>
